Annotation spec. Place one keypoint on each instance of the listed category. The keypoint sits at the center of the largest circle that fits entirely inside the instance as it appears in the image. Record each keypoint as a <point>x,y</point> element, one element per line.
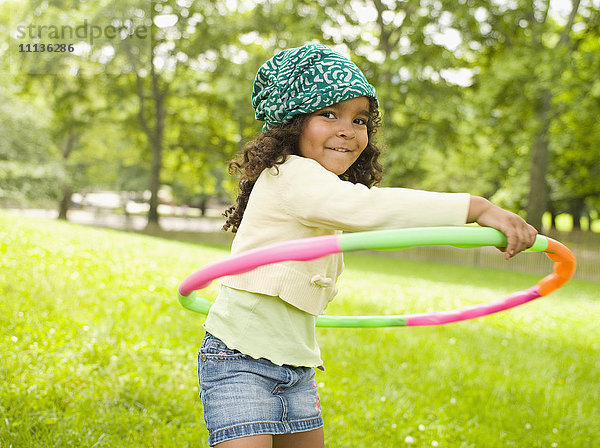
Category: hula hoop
<point>317,247</point>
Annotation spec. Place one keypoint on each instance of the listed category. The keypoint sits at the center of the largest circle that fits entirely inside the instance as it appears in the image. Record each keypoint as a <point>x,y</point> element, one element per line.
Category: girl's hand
<point>520,235</point>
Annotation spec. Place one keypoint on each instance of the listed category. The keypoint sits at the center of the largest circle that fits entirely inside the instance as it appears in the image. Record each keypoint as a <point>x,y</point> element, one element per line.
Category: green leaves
<point>24,139</point>
<point>473,132</point>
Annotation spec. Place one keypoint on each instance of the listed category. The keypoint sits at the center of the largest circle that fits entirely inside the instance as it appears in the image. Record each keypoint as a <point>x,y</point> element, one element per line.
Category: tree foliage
<point>499,99</point>
<point>28,166</point>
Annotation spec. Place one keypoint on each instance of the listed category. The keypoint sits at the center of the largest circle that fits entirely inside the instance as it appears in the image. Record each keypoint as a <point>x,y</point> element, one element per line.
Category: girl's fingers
<point>510,247</point>
<point>519,234</point>
<point>519,239</point>
<point>510,251</point>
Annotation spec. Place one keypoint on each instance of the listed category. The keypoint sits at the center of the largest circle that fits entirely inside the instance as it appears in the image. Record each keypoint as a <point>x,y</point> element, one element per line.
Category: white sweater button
<point>321,281</point>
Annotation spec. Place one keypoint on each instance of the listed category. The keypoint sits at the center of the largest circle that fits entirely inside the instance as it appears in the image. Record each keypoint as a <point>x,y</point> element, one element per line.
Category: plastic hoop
<point>317,247</point>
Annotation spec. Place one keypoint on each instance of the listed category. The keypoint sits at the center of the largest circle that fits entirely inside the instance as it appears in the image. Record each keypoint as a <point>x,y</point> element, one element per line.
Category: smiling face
<point>336,135</point>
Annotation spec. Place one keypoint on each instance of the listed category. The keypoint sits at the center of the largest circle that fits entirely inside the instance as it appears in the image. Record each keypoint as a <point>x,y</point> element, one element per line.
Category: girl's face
<point>336,135</point>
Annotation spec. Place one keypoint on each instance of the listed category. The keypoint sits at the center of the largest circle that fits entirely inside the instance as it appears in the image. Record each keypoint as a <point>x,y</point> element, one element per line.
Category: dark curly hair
<point>271,148</point>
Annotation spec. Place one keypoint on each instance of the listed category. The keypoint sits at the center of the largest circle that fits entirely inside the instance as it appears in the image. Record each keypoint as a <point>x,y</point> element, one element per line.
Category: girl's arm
<point>317,197</point>
<point>520,234</point>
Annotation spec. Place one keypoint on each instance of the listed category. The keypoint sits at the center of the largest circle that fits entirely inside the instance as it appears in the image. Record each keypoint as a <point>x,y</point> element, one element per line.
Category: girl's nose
<point>346,131</point>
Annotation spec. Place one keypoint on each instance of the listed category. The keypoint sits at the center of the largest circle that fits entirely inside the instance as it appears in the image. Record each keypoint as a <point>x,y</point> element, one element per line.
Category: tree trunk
<point>577,209</point>
<point>203,205</point>
<point>65,203</point>
<point>154,133</point>
<point>552,210</point>
<point>537,201</point>
<point>153,217</point>
<point>157,146</point>
<point>154,129</point>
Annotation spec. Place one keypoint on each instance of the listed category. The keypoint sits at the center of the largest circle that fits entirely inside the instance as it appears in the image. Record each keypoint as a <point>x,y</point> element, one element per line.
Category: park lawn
<point>96,351</point>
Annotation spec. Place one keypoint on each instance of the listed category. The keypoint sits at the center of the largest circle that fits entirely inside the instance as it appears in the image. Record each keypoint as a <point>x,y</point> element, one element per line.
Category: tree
<point>574,164</point>
<point>23,138</point>
<point>524,52</point>
<point>538,198</point>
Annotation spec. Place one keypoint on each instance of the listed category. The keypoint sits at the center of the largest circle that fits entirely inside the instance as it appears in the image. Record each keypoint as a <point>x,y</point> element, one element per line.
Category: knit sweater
<point>300,199</point>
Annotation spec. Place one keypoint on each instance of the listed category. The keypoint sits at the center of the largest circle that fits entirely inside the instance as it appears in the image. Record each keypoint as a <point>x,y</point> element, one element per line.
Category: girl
<point>310,172</point>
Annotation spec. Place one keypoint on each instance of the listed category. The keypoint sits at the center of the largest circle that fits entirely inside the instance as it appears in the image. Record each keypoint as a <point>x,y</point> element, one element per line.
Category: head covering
<point>304,80</point>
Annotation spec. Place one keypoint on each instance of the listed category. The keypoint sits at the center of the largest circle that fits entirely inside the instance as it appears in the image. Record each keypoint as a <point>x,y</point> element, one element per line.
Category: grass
<point>95,351</point>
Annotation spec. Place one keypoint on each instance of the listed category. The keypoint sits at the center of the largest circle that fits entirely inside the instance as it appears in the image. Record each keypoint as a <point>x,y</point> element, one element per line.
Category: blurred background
<point>125,114</point>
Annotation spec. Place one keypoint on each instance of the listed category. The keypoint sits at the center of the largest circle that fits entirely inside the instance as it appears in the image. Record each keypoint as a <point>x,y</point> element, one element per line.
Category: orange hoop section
<point>564,267</point>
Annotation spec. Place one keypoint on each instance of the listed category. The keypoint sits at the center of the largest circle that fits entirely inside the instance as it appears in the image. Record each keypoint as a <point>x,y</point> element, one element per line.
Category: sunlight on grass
<point>96,351</point>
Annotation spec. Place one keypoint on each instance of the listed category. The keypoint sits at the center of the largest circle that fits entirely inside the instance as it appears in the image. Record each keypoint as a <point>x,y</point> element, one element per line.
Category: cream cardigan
<point>302,199</point>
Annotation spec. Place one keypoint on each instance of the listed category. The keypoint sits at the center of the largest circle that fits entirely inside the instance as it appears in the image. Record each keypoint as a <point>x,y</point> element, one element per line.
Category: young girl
<point>310,172</point>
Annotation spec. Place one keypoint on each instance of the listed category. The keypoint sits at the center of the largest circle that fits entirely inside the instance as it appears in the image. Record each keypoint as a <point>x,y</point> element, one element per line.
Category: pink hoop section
<point>302,250</point>
<point>472,312</point>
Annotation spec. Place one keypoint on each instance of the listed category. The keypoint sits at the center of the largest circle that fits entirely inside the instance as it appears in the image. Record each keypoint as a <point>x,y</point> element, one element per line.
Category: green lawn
<point>96,351</point>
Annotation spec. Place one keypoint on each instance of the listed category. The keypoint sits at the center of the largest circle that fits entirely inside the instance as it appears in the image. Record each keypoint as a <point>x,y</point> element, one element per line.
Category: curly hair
<point>271,148</point>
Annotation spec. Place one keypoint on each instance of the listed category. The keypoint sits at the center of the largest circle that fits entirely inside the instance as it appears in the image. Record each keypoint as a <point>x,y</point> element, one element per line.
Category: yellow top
<point>263,326</point>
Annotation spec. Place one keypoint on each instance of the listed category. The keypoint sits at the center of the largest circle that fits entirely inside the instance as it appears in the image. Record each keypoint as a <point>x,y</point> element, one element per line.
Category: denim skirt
<point>243,396</point>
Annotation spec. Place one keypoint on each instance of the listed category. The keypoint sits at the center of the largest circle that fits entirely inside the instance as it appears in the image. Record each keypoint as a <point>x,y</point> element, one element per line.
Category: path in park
<point>133,222</point>
<point>588,256</point>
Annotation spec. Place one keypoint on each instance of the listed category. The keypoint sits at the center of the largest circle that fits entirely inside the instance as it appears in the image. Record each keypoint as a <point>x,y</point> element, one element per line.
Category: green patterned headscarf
<point>303,80</point>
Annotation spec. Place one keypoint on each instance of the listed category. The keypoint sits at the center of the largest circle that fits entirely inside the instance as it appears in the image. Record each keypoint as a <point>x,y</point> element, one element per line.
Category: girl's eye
<point>327,114</point>
<point>361,121</point>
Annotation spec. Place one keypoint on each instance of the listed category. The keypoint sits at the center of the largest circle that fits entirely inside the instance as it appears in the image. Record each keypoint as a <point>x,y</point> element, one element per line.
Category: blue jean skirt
<point>243,396</point>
